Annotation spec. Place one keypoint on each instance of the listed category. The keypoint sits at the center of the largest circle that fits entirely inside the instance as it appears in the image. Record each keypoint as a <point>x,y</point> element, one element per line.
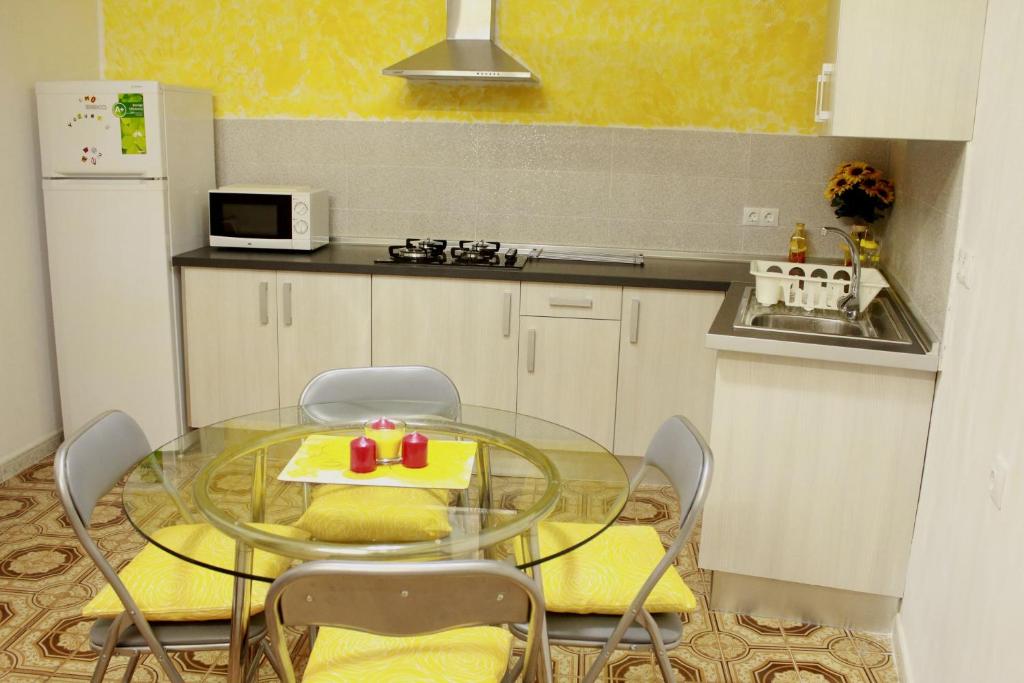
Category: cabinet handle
<point>506,324</point>
<point>264,311</point>
<point>634,321</point>
<point>563,302</point>
<point>531,351</point>
<point>820,113</point>
<point>287,304</point>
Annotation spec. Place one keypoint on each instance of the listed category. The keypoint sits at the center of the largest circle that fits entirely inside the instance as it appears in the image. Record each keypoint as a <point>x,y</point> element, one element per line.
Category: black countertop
<point>666,273</point>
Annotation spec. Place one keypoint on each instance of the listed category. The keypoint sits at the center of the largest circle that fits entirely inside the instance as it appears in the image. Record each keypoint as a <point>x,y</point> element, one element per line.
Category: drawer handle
<point>531,351</point>
<point>506,323</point>
<point>264,310</point>
<point>287,304</point>
<point>563,302</point>
<point>634,321</point>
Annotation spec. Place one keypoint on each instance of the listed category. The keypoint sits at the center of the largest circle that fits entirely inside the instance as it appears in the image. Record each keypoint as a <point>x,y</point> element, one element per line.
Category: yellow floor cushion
<point>376,514</point>
<point>605,574</point>
<point>170,589</point>
<point>479,654</point>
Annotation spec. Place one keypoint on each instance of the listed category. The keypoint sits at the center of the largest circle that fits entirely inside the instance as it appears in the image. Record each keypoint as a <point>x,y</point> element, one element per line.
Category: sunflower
<point>838,186</point>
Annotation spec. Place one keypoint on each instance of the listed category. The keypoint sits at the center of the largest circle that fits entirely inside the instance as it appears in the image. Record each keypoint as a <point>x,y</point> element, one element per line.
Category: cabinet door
<point>567,373</point>
<point>230,342</point>
<point>468,329</point>
<point>324,323</point>
<point>919,79</point>
<point>664,367</point>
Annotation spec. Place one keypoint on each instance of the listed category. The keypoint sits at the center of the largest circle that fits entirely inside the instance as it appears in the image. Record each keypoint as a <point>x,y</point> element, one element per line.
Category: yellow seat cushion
<point>167,588</point>
<point>376,514</point>
<point>605,574</point>
<point>479,654</point>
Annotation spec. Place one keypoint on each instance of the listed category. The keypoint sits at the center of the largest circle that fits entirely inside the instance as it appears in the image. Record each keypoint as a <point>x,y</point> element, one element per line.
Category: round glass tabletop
<point>252,494</point>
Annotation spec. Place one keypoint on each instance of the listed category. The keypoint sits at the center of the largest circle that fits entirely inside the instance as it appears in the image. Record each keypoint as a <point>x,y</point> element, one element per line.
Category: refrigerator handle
<point>105,174</point>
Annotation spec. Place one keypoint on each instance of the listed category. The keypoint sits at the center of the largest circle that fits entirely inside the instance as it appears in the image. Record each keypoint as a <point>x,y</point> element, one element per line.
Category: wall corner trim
<point>900,652</point>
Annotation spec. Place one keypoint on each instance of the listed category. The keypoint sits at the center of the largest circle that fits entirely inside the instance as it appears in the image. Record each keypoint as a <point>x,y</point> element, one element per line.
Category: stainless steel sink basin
<point>879,322</point>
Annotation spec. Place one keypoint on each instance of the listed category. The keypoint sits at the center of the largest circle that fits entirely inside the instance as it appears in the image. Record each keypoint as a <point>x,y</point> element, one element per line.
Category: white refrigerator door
<point>114,303</point>
<point>100,129</point>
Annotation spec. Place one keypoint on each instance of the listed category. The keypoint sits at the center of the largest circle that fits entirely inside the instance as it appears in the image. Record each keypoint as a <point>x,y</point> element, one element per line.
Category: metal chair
<point>392,383</point>
<point>682,455</point>
<point>87,466</point>
<point>404,599</point>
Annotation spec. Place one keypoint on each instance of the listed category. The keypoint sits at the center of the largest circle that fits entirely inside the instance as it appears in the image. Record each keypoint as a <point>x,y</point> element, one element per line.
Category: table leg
<point>241,604</point>
<point>484,458</point>
<point>545,646</point>
<point>241,600</point>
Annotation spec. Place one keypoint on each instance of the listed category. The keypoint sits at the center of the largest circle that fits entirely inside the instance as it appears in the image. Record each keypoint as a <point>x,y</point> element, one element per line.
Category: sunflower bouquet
<point>859,191</point>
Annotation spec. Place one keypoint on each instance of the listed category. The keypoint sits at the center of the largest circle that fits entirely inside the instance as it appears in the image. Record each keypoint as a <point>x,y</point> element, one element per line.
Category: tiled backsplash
<point>649,190</point>
<point>920,237</point>
<point>675,190</point>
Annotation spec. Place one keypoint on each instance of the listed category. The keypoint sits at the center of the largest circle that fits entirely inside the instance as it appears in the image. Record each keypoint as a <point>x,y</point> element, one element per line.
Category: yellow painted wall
<point>745,65</point>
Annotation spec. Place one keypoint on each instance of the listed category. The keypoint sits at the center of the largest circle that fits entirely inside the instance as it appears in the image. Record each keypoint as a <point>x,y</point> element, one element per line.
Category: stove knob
<point>510,257</point>
<point>300,226</point>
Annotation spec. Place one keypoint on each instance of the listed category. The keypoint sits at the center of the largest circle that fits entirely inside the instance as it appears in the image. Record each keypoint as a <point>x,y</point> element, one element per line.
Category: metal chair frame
<point>404,599</point>
<point>675,442</point>
<point>122,447</point>
<point>384,383</point>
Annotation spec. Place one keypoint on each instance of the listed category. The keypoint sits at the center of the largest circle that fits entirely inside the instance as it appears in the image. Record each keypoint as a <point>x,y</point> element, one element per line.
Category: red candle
<point>382,423</point>
<point>414,450</point>
<point>362,455</point>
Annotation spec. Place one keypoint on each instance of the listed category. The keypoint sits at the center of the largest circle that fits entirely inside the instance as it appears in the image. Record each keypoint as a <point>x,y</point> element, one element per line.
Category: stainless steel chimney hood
<point>468,54</point>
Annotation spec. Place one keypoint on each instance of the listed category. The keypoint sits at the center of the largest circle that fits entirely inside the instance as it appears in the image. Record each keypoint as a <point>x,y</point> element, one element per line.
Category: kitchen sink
<point>879,322</point>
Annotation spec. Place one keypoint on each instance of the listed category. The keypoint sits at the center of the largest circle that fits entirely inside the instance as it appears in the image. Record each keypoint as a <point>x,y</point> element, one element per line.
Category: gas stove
<point>476,254</point>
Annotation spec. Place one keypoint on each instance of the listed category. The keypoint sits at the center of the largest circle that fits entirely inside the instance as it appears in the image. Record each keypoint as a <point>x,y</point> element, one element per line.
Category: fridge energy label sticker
<point>130,111</point>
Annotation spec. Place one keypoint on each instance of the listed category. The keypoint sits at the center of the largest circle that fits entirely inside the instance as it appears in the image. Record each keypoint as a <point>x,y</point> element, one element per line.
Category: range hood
<point>468,54</point>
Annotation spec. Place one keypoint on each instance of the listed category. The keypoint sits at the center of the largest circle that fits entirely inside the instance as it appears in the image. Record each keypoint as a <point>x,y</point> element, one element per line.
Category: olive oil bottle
<point>798,245</point>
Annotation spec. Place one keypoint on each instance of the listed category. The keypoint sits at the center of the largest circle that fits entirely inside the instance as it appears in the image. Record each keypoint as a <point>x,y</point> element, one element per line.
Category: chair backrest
<point>91,461</point>
<point>403,599</point>
<point>86,467</point>
<point>394,383</point>
<point>681,454</point>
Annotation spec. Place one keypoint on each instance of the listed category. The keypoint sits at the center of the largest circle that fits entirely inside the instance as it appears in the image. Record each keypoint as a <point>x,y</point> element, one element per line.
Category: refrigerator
<point>126,171</point>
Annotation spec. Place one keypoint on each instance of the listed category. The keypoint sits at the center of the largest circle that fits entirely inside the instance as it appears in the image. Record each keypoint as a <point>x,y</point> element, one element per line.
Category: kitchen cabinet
<point>323,324</point>
<point>254,338</point>
<point>230,330</point>
<point>817,472</point>
<point>905,70</point>
<point>664,367</point>
<point>468,329</point>
<point>567,373</point>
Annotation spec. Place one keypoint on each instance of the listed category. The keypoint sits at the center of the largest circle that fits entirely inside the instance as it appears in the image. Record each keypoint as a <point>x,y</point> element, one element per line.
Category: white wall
<point>39,40</point>
<point>965,590</point>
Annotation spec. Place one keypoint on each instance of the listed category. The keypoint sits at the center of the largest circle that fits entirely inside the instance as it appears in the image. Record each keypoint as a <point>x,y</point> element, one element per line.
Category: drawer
<point>571,301</point>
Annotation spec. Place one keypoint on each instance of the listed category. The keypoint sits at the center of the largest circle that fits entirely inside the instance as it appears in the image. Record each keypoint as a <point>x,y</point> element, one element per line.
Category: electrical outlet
<point>770,218</point>
<point>997,481</point>
<point>759,216</point>
<point>751,215</point>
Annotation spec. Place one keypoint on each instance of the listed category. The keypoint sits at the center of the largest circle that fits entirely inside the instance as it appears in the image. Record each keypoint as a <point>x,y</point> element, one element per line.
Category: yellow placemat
<point>323,459</point>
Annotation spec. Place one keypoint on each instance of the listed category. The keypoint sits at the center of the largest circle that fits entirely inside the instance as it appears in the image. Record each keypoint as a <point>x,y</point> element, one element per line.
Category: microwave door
<point>245,216</point>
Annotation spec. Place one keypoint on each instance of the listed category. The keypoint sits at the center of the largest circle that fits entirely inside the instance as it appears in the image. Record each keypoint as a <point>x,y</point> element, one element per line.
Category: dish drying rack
<point>812,286</point>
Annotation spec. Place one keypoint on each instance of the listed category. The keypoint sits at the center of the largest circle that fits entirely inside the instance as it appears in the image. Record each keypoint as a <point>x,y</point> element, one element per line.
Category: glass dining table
<point>494,474</point>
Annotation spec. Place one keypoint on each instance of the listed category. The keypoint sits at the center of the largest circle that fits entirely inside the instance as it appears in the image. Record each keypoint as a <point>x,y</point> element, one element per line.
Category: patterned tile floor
<point>45,578</point>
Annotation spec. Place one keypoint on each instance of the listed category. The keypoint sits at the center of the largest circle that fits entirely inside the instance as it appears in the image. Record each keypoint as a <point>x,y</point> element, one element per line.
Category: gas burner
<point>477,253</point>
<point>419,251</point>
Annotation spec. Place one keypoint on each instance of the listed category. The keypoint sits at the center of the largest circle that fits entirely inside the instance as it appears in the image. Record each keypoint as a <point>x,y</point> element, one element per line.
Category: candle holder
<point>388,434</point>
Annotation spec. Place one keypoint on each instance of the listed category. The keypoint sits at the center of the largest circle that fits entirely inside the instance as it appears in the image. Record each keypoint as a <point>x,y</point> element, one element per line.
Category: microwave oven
<point>269,217</point>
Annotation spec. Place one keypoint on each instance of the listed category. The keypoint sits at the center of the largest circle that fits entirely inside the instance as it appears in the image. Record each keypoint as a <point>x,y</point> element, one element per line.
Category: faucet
<point>850,303</point>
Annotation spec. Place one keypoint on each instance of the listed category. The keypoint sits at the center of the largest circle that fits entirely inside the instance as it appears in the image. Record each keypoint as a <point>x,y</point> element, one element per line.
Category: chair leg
<point>275,663</point>
<point>609,647</point>
<point>103,661</point>
<point>658,645</point>
<point>129,668</point>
